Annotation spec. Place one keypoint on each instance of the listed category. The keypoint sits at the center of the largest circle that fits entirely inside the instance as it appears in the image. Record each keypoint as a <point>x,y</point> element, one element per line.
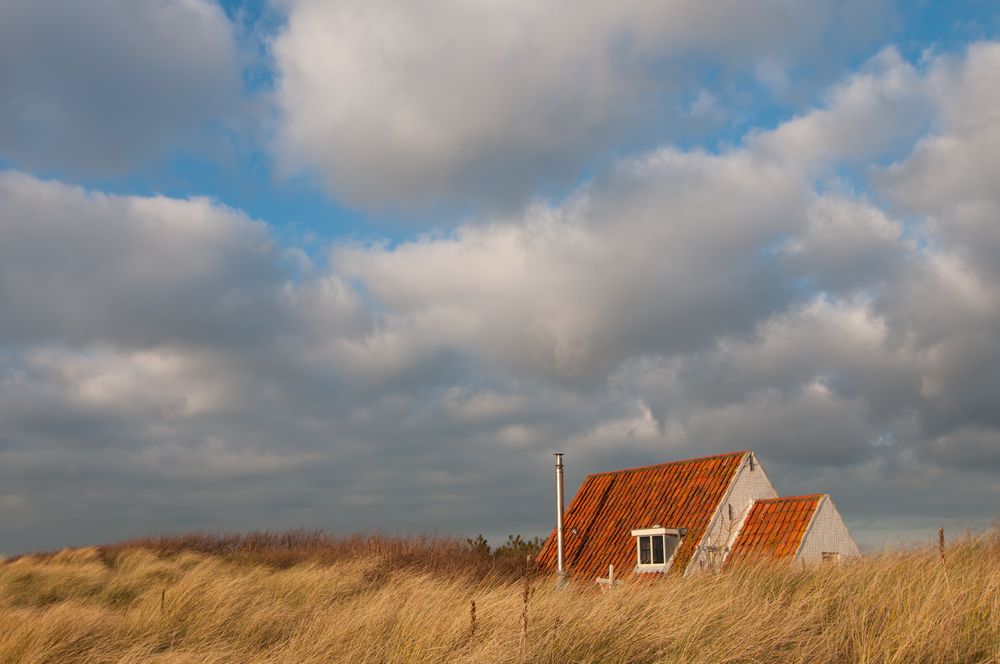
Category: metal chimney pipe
<point>560,568</point>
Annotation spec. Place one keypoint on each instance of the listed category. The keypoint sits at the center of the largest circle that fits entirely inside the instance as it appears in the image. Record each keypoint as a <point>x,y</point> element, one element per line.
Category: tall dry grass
<point>172,604</point>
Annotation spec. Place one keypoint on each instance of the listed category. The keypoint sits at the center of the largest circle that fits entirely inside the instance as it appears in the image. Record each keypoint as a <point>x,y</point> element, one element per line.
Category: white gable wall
<point>826,533</point>
<point>747,486</point>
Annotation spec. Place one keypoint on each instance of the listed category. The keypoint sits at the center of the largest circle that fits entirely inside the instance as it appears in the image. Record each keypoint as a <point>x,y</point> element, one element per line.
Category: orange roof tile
<point>599,521</point>
<point>774,528</point>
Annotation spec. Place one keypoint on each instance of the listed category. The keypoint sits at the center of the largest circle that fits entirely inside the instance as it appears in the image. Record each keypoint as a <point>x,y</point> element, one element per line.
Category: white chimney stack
<point>560,568</point>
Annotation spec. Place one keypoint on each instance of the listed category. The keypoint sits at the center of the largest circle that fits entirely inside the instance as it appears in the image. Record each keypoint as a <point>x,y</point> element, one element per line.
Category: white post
<point>608,582</point>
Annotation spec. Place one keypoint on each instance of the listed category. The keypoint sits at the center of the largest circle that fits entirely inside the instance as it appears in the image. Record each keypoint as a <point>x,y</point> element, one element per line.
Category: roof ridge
<point>669,463</point>
<point>801,497</point>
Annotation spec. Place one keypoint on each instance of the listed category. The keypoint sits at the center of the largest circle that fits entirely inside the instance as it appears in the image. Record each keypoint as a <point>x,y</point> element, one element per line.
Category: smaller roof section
<point>774,529</point>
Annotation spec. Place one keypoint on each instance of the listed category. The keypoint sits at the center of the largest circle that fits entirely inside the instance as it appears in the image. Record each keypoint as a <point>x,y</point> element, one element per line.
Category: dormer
<point>655,547</point>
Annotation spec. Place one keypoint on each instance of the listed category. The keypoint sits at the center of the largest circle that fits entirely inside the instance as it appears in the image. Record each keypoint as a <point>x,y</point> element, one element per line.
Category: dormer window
<point>655,547</point>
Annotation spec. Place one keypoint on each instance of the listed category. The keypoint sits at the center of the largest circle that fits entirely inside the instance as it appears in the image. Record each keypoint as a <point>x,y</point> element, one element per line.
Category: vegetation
<point>308,597</point>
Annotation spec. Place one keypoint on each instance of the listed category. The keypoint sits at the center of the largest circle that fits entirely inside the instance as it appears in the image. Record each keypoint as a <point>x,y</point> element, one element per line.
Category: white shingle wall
<point>748,486</point>
<point>828,533</point>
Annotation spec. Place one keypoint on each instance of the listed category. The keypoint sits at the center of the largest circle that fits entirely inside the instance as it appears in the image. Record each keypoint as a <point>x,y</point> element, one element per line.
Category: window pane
<point>658,550</point>
<point>644,550</point>
<point>671,545</point>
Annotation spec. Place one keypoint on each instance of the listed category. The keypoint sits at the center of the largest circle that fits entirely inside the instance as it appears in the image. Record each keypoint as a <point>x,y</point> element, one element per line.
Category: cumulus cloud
<point>573,289</point>
<point>172,351</point>
<point>953,176</point>
<point>876,107</point>
<point>93,87</point>
<point>663,254</point>
<point>393,103</point>
<point>80,266</point>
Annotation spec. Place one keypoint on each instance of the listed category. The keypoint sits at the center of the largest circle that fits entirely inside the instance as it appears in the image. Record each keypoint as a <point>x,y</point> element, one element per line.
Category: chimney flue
<point>560,568</point>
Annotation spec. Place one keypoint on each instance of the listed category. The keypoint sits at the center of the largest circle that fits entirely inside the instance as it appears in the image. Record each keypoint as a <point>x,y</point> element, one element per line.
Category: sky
<point>364,265</point>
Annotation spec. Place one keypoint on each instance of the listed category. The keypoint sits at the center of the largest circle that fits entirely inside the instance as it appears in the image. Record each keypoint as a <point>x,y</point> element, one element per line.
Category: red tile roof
<point>599,521</point>
<point>774,528</point>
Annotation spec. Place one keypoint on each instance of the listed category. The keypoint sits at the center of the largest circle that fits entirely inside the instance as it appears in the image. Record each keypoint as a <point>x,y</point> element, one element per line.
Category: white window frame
<point>656,531</point>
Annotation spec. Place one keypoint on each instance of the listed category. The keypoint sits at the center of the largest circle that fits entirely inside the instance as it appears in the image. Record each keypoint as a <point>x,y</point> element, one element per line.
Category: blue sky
<point>337,263</point>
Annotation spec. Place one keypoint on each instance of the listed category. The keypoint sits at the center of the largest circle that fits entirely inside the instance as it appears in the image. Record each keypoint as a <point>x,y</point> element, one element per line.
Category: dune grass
<point>259,598</point>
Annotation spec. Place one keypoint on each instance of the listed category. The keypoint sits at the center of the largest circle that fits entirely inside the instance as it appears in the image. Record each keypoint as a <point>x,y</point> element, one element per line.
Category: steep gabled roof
<point>599,521</point>
<point>774,528</point>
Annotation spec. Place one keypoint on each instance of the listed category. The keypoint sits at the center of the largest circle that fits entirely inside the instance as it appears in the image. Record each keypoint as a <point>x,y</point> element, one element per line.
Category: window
<point>651,550</point>
<point>831,557</point>
<point>655,547</point>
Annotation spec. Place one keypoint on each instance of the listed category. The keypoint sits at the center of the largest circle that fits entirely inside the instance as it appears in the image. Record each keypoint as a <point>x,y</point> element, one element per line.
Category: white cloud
<point>164,381</point>
<point>846,244</point>
<point>879,105</point>
<point>84,266</point>
<point>400,102</point>
<point>97,86</point>
<point>953,175</point>
<point>571,290</point>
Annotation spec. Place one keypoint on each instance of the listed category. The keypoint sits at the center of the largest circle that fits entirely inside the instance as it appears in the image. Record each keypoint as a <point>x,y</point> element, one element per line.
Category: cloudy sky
<point>364,264</point>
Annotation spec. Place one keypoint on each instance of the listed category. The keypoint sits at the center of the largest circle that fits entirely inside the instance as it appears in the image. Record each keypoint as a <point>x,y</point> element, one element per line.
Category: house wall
<point>826,533</point>
<point>748,486</point>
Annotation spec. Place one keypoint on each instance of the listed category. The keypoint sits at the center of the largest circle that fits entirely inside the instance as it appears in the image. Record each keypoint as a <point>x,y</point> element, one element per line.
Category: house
<point>698,514</point>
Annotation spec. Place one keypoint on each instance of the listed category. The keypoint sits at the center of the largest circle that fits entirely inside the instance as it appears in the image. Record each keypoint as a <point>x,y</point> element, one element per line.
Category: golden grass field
<point>383,599</point>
